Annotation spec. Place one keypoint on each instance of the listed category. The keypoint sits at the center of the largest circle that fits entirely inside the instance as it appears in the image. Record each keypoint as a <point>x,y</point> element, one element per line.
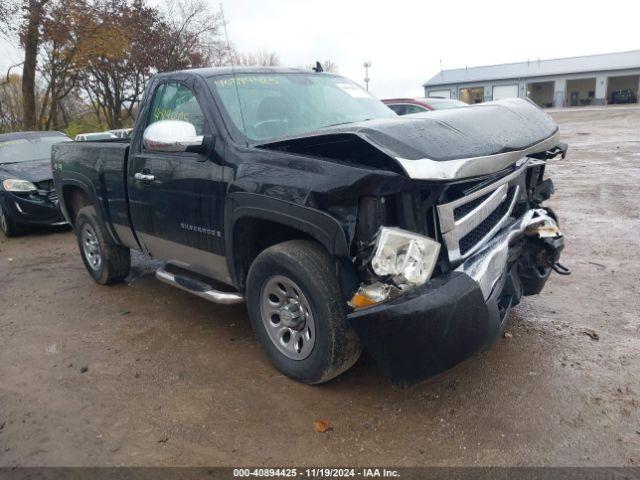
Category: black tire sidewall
<point>87,215</point>
<point>6,230</point>
<point>12,229</point>
<point>324,304</point>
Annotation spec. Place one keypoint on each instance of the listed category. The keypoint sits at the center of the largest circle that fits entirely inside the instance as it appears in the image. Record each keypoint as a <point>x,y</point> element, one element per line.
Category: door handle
<point>144,177</point>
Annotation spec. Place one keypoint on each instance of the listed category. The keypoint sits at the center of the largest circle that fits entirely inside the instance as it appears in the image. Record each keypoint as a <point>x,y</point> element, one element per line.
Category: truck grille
<point>468,222</point>
<point>475,236</point>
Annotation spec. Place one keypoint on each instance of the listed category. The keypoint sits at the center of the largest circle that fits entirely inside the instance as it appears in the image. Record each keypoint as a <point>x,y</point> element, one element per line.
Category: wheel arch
<point>74,198</point>
<point>78,194</point>
<point>267,221</point>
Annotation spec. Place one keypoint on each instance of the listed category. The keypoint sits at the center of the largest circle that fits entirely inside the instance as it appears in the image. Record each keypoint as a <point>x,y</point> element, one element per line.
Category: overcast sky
<point>406,40</point>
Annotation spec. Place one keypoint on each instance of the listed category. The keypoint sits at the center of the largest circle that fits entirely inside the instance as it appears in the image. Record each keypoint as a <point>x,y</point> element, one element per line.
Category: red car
<point>406,106</point>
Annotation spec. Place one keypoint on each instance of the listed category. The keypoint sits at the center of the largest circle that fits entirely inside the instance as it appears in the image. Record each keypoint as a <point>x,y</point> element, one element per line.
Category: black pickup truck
<point>342,225</point>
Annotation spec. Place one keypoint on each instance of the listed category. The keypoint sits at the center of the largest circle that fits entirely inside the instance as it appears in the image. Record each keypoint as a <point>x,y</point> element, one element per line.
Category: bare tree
<point>24,18</point>
<point>192,36</point>
<point>11,104</point>
<point>8,12</point>
<point>260,58</point>
<point>48,27</point>
<point>92,58</point>
<point>329,66</point>
<point>221,53</point>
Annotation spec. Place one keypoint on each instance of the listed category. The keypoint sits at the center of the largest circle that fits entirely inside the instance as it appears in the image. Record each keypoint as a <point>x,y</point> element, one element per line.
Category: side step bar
<point>198,287</point>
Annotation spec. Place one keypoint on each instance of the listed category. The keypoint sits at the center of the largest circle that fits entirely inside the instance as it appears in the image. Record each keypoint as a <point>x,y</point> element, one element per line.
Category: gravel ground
<point>144,374</point>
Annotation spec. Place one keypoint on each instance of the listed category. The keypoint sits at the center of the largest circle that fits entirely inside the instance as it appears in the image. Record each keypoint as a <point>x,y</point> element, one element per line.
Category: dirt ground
<point>144,374</point>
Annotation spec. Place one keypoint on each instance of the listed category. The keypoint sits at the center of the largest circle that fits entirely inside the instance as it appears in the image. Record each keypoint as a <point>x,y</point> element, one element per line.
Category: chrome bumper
<point>489,265</point>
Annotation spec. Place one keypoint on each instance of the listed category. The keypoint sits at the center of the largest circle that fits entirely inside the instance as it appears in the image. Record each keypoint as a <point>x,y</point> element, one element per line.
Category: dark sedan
<point>27,195</point>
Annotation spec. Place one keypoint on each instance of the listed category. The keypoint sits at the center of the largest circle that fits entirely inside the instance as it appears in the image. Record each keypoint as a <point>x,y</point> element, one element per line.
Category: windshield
<point>276,105</point>
<point>28,149</point>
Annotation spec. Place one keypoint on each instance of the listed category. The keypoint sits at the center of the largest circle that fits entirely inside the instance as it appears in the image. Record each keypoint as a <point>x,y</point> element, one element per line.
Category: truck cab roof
<point>218,71</point>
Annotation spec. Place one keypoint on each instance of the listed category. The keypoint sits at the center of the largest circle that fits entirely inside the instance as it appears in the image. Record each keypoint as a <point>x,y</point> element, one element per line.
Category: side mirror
<point>172,136</point>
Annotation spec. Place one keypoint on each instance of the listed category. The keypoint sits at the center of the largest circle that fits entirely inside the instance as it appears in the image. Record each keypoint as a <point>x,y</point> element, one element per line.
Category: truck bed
<point>100,167</point>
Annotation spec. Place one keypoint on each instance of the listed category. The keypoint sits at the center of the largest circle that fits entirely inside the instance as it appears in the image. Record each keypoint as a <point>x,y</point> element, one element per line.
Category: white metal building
<point>575,81</point>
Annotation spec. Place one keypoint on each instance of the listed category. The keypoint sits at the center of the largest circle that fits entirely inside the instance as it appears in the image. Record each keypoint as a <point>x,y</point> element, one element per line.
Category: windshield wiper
<point>346,123</point>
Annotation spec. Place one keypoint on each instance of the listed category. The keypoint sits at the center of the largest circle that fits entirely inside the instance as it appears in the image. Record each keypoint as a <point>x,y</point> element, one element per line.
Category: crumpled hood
<point>475,131</point>
<point>434,145</point>
<point>35,171</point>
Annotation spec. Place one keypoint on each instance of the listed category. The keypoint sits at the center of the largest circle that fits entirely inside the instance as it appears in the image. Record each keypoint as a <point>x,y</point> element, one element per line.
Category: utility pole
<point>366,66</point>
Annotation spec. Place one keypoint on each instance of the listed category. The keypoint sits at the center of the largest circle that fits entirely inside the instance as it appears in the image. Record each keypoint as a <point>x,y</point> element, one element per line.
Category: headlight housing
<point>407,257</point>
<point>15,185</point>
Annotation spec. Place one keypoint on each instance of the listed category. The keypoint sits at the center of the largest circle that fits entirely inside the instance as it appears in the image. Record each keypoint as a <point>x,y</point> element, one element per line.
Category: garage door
<point>505,91</point>
<point>440,93</point>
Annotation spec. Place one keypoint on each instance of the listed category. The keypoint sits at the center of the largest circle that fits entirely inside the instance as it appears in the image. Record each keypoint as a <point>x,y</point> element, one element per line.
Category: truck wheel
<point>106,262</point>
<point>297,312</point>
<point>8,226</point>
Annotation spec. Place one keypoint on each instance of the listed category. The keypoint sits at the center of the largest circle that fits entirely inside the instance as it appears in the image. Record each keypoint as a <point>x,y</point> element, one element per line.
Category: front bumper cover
<point>432,328</point>
<point>26,211</point>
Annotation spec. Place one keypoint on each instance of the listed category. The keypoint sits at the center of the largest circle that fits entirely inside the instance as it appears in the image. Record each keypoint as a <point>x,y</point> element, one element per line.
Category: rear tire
<point>9,227</point>
<point>316,343</point>
<point>106,262</point>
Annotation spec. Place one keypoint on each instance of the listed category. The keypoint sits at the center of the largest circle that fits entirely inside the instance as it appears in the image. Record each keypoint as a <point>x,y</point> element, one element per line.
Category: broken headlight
<point>406,257</point>
<point>401,260</point>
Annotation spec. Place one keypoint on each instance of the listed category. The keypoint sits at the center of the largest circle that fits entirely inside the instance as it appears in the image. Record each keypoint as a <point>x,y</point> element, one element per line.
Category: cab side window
<point>174,101</point>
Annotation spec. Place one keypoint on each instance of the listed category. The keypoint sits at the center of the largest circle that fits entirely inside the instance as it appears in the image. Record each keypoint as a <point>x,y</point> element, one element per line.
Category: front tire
<point>297,313</point>
<point>9,227</point>
<point>106,262</point>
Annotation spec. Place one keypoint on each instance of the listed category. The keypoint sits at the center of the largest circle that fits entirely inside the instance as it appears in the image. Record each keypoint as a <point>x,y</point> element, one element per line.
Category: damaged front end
<point>485,244</point>
<point>450,230</point>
